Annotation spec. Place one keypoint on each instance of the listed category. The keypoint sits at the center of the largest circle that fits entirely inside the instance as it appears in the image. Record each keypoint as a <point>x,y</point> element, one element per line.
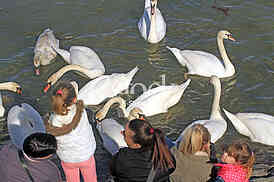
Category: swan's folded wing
<point>261,126</point>
<point>202,63</point>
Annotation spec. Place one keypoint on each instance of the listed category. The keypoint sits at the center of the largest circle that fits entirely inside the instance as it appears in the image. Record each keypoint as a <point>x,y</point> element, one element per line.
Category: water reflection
<point>155,51</point>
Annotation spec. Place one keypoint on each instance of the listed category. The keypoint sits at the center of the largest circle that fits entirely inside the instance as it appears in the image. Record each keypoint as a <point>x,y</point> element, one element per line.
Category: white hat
<point>23,120</point>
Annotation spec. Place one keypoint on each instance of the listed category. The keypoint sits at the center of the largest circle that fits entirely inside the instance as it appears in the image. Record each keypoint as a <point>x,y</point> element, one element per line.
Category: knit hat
<point>23,120</point>
<point>39,145</point>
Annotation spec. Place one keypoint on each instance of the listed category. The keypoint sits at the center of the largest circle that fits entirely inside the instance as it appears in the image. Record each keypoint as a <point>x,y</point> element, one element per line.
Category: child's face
<point>128,136</point>
<point>228,159</point>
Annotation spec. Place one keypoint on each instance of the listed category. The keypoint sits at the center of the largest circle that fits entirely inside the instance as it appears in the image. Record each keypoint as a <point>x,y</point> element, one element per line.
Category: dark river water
<point>110,28</point>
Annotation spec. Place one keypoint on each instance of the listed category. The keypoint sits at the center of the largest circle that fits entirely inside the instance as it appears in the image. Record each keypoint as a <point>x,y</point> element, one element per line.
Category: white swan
<point>259,127</point>
<point>110,132</point>
<point>11,86</point>
<point>81,59</point>
<point>206,64</point>
<point>105,86</point>
<point>43,51</point>
<point>152,25</point>
<point>151,102</point>
<point>23,120</point>
<point>216,124</point>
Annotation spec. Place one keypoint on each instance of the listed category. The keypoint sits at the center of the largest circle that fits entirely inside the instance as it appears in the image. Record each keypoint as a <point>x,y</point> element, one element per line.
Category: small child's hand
<point>80,103</point>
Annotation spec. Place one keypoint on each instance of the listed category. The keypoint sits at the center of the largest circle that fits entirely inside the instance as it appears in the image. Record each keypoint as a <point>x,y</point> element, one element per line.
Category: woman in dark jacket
<point>146,150</point>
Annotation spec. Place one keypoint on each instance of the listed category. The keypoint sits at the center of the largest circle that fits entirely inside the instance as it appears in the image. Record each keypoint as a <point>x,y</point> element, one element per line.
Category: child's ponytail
<point>249,165</point>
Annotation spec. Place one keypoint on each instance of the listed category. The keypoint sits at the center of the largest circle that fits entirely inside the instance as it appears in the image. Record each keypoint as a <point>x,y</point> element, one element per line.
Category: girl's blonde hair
<point>242,153</point>
<point>195,139</point>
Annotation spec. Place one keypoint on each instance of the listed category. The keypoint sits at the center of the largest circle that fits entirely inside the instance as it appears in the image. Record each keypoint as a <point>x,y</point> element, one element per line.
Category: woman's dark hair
<point>152,139</point>
<point>63,96</point>
<point>39,145</point>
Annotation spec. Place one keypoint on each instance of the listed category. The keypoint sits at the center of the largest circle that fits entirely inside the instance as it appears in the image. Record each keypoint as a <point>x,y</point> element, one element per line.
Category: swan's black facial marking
<point>229,36</point>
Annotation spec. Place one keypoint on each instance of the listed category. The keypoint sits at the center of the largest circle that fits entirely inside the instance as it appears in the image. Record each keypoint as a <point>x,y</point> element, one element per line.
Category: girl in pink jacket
<point>238,160</point>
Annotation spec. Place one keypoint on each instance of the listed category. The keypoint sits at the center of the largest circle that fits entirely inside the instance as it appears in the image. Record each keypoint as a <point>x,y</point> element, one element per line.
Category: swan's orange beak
<point>231,38</point>
<point>141,116</point>
<point>47,87</point>
<point>19,90</point>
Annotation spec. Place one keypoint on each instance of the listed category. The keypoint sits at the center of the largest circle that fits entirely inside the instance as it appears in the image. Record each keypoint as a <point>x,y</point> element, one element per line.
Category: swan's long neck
<point>37,59</point>
<point>215,110</point>
<point>103,112</point>
<point>227,63</point>
<point>147,4</point>
<point>11,86</point>
<point>56,76</point>
<point>152,36</point>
